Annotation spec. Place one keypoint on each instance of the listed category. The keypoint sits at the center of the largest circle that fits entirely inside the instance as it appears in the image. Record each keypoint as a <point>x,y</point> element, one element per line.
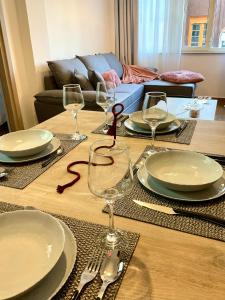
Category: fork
<point>89,273</point>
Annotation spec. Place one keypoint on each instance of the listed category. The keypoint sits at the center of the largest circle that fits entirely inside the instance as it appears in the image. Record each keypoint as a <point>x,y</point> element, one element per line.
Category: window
<point>205,26</point>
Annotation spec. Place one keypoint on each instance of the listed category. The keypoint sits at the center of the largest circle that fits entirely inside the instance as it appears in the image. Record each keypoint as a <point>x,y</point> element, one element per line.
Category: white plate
<point>183,170</point>
<point>31,243</point>
<point>54,281</point>
<point>52,147</point>
<point>132,126</point>
<point>214,192</point>
<point>25,142</point>
<point>136,118</point>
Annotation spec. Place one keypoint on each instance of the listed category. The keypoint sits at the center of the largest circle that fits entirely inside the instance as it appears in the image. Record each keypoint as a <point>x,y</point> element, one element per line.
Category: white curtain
<point>160,33</point>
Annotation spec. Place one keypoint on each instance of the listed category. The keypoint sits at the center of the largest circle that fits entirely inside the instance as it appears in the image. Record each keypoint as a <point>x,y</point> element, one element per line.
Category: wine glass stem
<point>76,123</point>
<point>153,128</point>
<point>106,117</point>
<point>111,217</point>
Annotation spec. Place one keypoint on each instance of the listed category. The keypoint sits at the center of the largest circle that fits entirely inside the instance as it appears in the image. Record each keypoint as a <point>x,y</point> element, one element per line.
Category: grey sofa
<point>80,69</point>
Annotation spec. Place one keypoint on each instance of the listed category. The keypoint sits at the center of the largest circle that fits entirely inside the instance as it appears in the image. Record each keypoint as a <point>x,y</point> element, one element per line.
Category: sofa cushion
<point>95,77</point>
<point>112,76</point>
<point>182,76</point>
<point>63,70</point>
<point>95,62</point>
<point>129,93</point>
<point>185,90</point>
<point>80,68</point>
<point>83,81</point>
<point>114,63</point>
<point>54,97</point>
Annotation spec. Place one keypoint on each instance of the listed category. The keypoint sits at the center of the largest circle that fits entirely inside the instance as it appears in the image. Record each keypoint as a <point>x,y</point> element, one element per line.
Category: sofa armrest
<point>50,103</point>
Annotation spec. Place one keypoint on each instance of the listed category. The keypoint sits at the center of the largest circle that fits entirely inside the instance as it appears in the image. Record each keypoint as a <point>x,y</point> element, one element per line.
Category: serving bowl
<point>31,244</point>
<point>183,170</point>
<point>136,117</point>
<point>25,142</point>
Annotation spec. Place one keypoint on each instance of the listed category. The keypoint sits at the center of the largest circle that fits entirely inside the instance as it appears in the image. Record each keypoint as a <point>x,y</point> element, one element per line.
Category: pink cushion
<point>112,76</point>
<point>182,76</point>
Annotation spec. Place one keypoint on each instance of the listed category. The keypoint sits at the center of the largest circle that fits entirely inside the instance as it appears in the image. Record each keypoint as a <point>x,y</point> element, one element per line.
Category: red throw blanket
<point>136,74</point>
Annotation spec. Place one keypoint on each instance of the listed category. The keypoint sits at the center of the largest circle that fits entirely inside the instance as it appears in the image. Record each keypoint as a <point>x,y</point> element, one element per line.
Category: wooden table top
<point>167,264</point>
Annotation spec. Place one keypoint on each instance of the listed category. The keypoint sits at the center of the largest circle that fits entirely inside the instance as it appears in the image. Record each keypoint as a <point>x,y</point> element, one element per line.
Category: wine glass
<point>73,101</point>
<point>154,112</point>
<point>110,176</point>
<point>105,97</point>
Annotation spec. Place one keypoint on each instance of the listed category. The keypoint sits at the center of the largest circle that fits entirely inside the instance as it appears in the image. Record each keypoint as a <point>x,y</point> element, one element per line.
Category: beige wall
<point>212,66</point>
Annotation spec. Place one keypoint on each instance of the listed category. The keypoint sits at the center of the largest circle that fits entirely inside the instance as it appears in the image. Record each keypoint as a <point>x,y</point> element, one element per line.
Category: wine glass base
<point>115,240</point>
<point>77,137</point>
<point>153,151</point>
<point>105,128</point>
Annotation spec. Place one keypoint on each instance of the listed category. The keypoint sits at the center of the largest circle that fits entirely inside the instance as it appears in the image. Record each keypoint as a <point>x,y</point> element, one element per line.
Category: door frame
<point>11,99</point>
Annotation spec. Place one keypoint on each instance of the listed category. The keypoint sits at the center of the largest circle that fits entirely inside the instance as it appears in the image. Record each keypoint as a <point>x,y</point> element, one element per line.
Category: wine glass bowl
<point>154,112</point>
<point>110,177</point>
<point>105,97</point>
<point>73,101</point>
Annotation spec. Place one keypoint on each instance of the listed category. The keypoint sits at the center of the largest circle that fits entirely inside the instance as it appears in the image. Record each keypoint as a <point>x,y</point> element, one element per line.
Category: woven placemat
<point>87,236</point>
<point>127,208</point>
<point>184,138</point>
<point>22,174</point>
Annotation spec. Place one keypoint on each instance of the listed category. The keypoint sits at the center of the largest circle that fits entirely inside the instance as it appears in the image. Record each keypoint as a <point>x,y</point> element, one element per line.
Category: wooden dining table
<point>166,264</point>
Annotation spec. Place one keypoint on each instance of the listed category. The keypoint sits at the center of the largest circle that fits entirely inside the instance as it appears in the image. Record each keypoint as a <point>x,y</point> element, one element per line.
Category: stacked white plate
<point>27,145</point>
<point>37,255</point>
<point>137,124</point>
<point>183,175</point>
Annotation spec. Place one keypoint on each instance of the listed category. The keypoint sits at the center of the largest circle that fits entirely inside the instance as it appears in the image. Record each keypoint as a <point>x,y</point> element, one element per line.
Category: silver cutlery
<point>59,152</point>
<point>89,273</point>
<point>181,129</point>
<point>110,271</point>
<point>182,212</point>
<point>3,172</point>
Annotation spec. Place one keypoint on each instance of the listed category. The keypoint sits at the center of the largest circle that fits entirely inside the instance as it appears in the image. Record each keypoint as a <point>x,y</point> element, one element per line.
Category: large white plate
<point>54,281</point>
<point>52,147</point>
<point>136,117</point>
<point>129,124</point>
<point>215,191</point>
<point>183,170</point>
<point>31,243</point>
<point>25,142</point>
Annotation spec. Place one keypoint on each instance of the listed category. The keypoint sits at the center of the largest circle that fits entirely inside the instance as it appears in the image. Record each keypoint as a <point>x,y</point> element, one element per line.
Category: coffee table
<point>177,107</point>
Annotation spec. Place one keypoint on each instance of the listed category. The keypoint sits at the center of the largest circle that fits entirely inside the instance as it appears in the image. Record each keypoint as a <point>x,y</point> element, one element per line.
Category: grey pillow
<point>95,77</point>
<point>95,62</point>
<point>83,82</point>
<point>80,68</point>
<point>114,63</point>
<point>62,70</point>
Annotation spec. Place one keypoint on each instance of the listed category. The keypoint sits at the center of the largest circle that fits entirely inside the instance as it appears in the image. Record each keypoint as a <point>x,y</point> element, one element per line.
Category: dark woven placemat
<point>184,138</point>
<point>22,174</point>
<point>87,236</point>
<point>127,208</point>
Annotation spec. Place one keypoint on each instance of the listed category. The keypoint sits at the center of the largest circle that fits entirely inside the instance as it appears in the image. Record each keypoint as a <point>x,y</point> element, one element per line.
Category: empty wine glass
<point>73,101</point>
<point>105,97</point>
<point>110,176</point>
<point>154,112</point>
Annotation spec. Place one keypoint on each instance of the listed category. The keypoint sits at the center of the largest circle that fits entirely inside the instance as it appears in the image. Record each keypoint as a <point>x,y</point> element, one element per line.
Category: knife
<point>182,212</point>
<point>182,127</point>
